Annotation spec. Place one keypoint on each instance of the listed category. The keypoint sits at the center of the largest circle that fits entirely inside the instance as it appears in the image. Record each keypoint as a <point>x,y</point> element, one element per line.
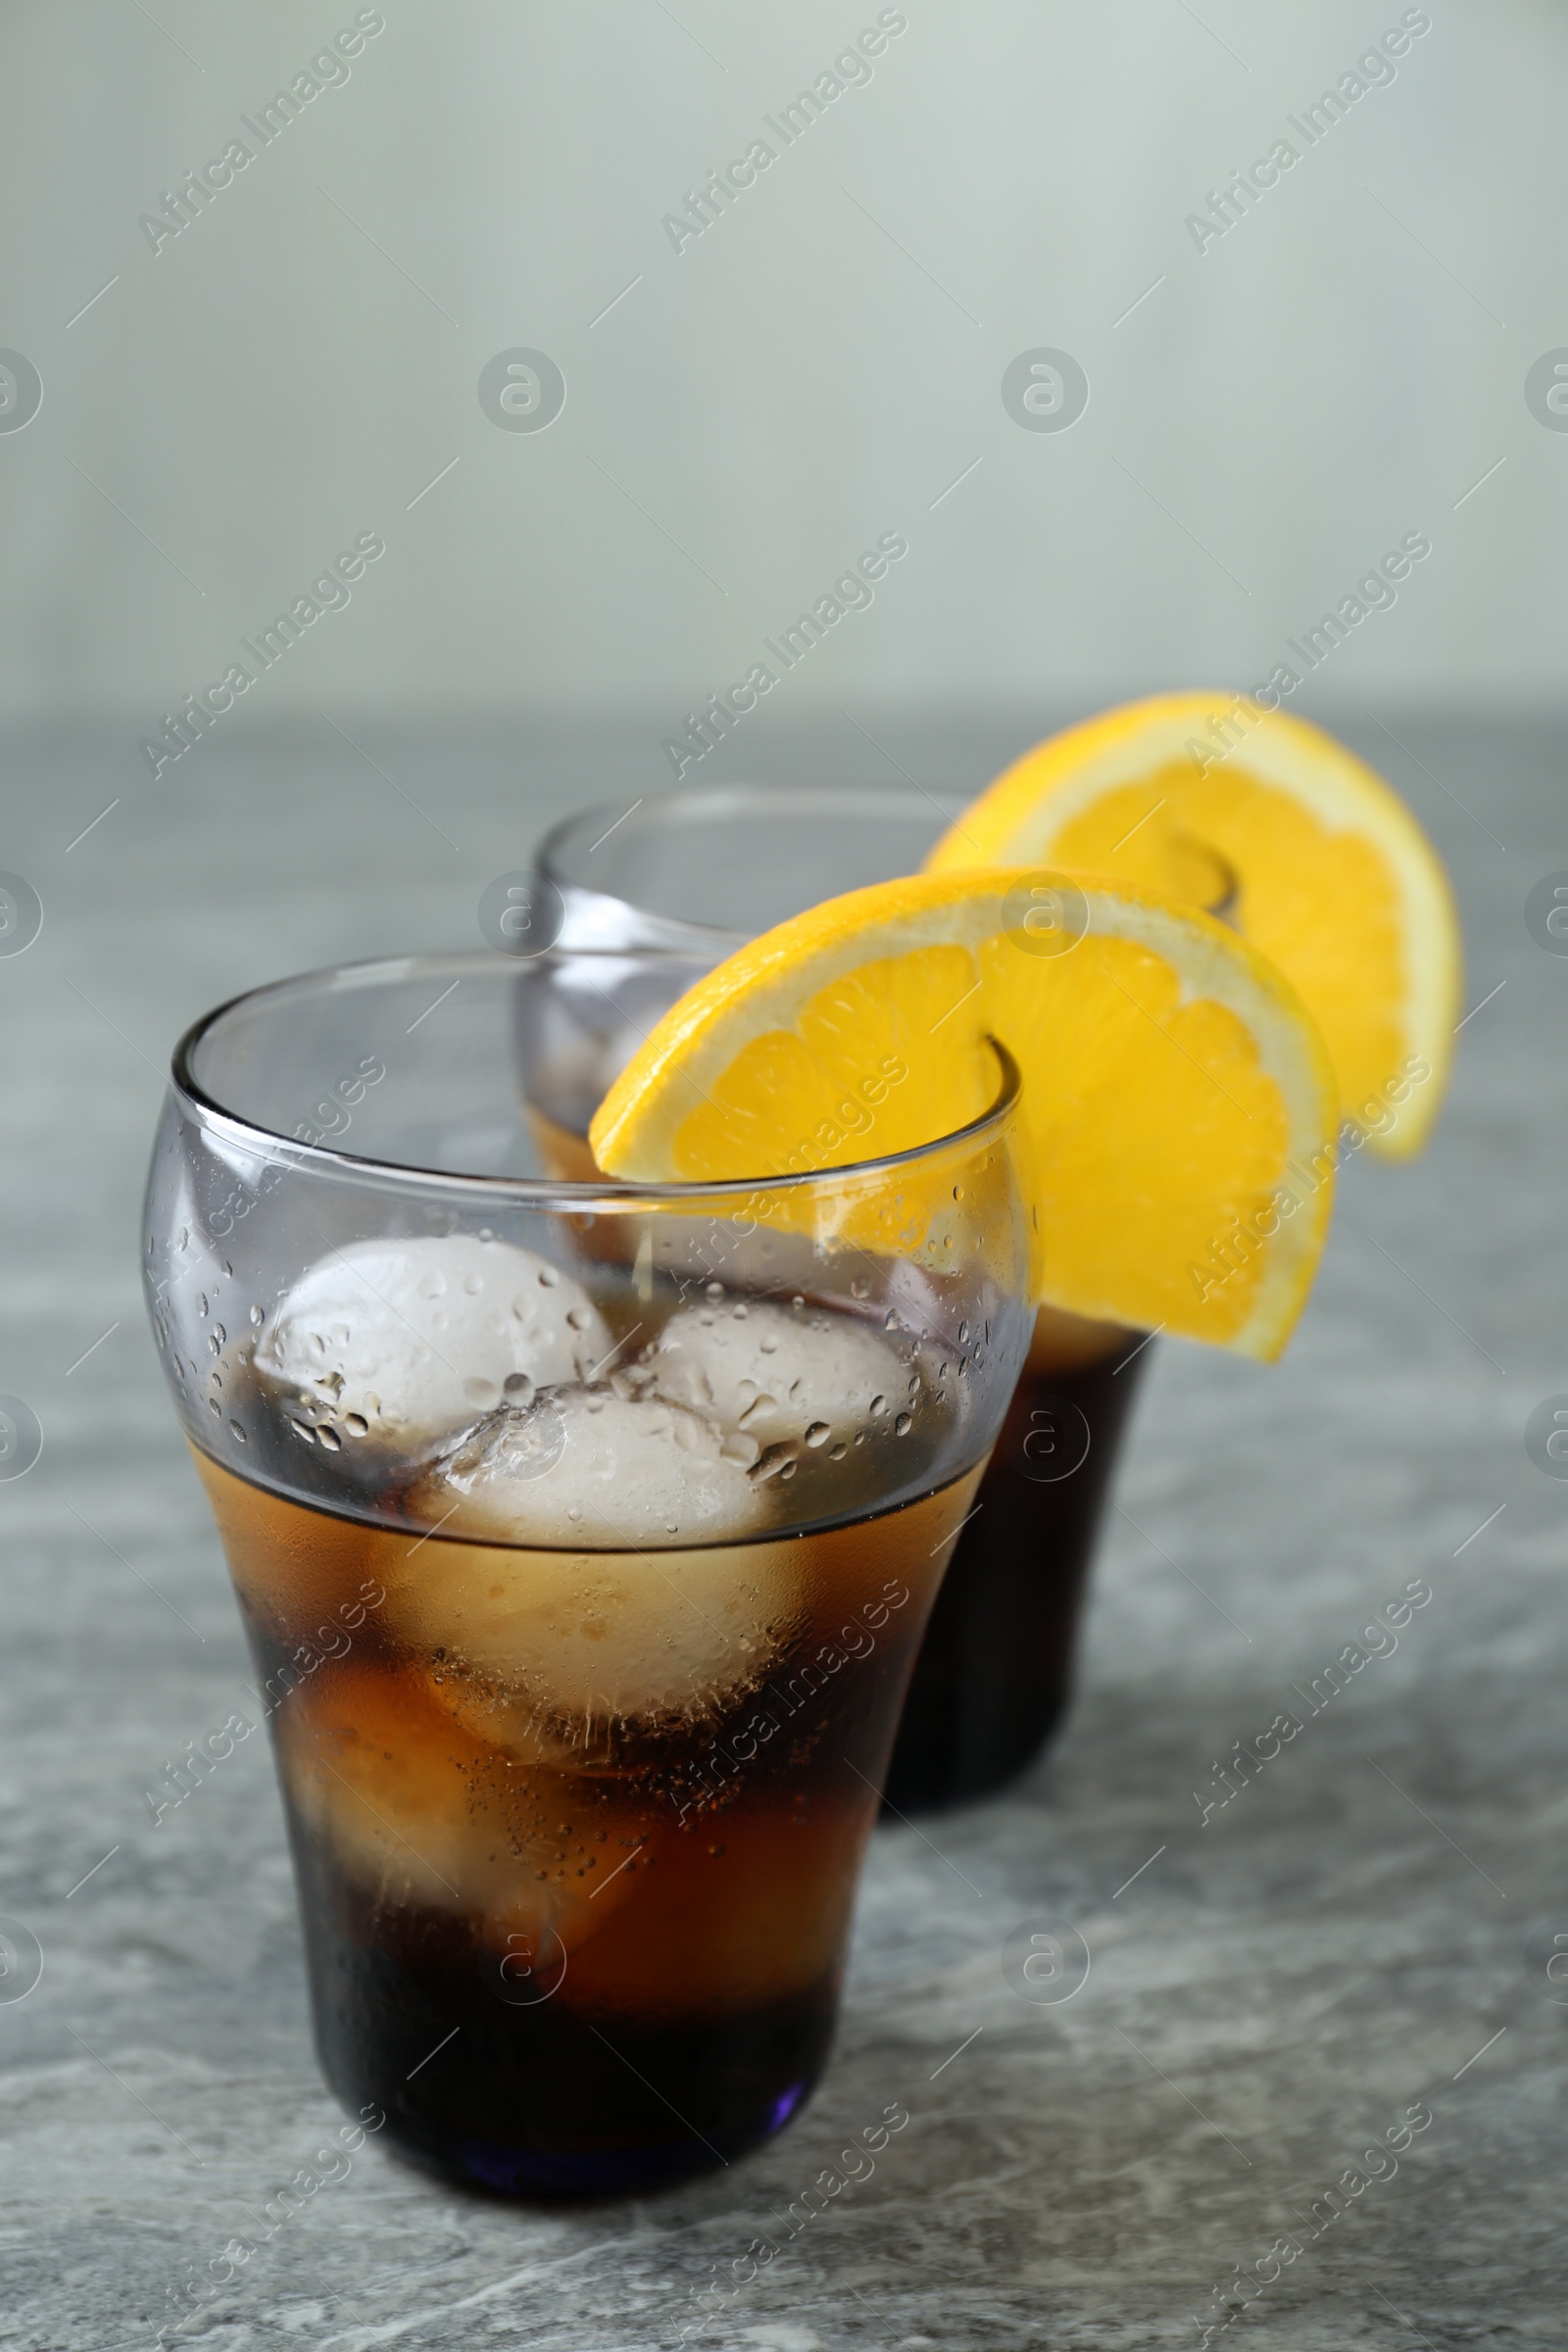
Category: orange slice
<point>1318,861</point>
<point>1177,1102</point>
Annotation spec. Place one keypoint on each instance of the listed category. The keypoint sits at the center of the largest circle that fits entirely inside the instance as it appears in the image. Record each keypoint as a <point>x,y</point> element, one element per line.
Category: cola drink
<point>995,1673</point>
<point>577,1822</point>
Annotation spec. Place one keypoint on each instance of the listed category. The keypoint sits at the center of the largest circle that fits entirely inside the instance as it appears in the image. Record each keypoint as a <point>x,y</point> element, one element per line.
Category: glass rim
<point>551,865</point>
<point>608,1192</point>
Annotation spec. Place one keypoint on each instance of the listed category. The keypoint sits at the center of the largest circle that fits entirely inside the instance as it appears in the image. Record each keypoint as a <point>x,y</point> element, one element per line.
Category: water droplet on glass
<point>220,1334</point>
<point>200,1304</point>
<point>767,1344</point>
<point>547,1277</point>
<point>776,1462</point>
<point>879,1405</point>
<point>356,1424</point>
<point>257,1317</point>
<point>957,1192</point>
<point>901,1427</point>
<point>963,1333</point>
<point>714,1292</point>
<point>818,1433</point>
<point>837,1452</point>
<point>214,1408</point>
<point>328,1437</point>
<point>517,1389</point>
<point>236,1433</point>
<point>860,1288</point>
<point>577,1318</point>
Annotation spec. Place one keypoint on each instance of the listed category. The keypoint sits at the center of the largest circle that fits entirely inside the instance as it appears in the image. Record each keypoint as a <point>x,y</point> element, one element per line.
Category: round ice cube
<point>422,1812</point>
<point>589,1466</point>
<point>778,1375</point>
<point>392,1343</point>
<point>662,1612</point>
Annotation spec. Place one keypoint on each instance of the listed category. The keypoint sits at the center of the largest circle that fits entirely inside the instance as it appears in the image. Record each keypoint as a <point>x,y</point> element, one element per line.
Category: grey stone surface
<point>1268,1993</point>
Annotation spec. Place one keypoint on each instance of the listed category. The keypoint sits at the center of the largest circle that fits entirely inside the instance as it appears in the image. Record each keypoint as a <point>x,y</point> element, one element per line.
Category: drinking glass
<point>673,885</point>
<point>581,1656</point>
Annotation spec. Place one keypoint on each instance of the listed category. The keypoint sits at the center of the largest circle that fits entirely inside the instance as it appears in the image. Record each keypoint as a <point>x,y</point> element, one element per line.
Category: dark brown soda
<point>995,1672</point>
<point>574,1958</point>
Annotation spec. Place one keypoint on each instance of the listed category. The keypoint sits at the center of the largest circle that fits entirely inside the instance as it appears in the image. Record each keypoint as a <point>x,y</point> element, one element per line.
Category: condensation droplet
<point>714,1292</point>
<point>257,1317</point>
<point>836,1454</point>
<point>200,1304</point>
<point>901,1427</point>
<point>879,1405</point>
<point>356,1424</point>
<point>327,1436</point>
<point>818,1433</point>
<point>776,1462</point>
<point>236,1433</point>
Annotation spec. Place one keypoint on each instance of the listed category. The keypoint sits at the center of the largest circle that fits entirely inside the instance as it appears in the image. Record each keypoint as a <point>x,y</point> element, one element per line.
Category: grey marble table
<point>1272,1988</point>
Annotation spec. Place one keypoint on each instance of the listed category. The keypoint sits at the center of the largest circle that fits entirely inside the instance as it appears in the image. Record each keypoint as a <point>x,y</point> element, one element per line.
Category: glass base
<point>527,2098</point>
<point>501,2168</point>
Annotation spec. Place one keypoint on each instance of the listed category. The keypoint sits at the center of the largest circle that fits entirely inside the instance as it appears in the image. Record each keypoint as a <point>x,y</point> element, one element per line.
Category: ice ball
<point>393,1343</point>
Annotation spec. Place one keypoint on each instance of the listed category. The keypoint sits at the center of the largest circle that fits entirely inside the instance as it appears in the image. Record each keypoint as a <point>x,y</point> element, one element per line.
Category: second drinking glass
<point>659,890</point>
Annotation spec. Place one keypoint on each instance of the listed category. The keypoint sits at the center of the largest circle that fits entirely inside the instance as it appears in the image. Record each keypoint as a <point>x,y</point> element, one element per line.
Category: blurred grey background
<point>1266,414</point>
